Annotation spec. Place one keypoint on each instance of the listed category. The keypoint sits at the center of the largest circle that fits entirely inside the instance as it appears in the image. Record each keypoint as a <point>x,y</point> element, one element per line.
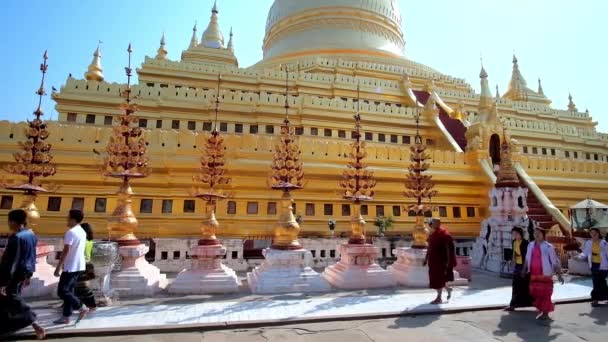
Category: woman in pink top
<point>542,263</point>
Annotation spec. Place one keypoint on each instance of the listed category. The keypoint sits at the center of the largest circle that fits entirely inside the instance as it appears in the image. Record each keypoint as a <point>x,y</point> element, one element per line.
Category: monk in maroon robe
<point>441,259</point>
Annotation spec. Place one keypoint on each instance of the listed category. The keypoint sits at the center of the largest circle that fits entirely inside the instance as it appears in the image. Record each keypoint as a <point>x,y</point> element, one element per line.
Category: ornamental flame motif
<point>357,183</point>
<point>419,185</point>
<point>286,171</point>
<point>34,159</point>
<point>126,150</point>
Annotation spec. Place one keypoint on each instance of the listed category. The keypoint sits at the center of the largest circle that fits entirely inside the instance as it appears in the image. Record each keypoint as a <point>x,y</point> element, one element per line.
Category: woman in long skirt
<point>595,252</point>
<point>520,295</point>
<point>542,263</point>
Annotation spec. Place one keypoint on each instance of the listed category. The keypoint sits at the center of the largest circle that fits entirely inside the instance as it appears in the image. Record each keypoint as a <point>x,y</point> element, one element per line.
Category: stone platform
<point>137,277</point>
<point>409,269</point>
<point>236,310</point>
<point>207,273</point>
<point>285,272</point>
<point>358,269</point>
<point>43,281</point>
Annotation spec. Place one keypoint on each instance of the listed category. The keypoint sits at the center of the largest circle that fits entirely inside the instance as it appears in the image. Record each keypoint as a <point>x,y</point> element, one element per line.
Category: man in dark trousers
<point>72,262</point>
<point>16,268</point>
<point>441,259</point>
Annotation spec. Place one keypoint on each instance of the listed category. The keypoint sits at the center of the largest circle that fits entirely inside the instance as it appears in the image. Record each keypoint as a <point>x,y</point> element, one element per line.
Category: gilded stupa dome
<point>306,27</point>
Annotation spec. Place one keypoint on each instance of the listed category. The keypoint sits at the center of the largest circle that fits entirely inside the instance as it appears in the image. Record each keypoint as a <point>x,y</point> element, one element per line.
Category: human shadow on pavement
<point>599,314</point>
<point>418,319</point>
<point>525,326</point>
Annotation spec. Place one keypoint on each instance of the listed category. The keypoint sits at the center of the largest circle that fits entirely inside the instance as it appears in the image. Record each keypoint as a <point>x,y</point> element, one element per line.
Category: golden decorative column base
<point>357,225</point>
<point>421,234</point>
<point>29,206</point>
<point>209,226</point>
<point>287,229</point>
<point>122,223</point>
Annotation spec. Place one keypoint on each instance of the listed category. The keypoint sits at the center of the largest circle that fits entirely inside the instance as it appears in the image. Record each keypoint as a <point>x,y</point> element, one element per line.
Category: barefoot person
<point>595,252</point>
<point>72,263</point>
<point>542,263</point>
<point>441,259</point>
<point>16,268</point>
<point>520,295</point>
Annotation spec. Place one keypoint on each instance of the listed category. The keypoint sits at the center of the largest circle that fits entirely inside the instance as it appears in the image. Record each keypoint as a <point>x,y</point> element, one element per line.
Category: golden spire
<point>540,88</point>
<point>161,53</point>
<point>286,174</point>
<point>213,37</point>
<point>95,72</point>
<point>497,93</point>
<point>357,182</point>
<point>571,105</point>
<point>34,159</point>
<point>230,42</point>
<point>506,176</point>
<point>194,39</point>
<point>419,186</point>
<point>485,98</point>
<point>125,159</point>
<point>212,174</point>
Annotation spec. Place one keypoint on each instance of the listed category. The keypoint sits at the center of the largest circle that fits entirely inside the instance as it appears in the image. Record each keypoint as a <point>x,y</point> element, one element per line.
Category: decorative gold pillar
<point>357,225</point>
<point>286,230</point>
<point>125,159</point>
<point>420,187</point>
<point>34,159</point>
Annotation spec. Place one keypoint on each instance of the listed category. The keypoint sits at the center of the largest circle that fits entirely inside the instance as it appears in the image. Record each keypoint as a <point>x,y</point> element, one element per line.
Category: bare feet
<point>40,333</point>
<point>62,320</point>
<point>437,301</point>
<point>543,316</point>
<point>509,308</point>
<point>449,290</point>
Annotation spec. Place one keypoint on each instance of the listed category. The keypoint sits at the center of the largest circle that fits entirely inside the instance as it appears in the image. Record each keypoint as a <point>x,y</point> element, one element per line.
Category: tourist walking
<point>542,263</point>
<point>72,262</point>
<point>595,251</point>
<point>83,290</point>
<point>520,295</point>
<point>16,268</point>
<point>441,259</point>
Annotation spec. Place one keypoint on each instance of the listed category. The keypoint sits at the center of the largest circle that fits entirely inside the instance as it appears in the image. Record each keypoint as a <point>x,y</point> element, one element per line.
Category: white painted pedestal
<point>286,271</point>
<point>408,270</point>
<point>357,269</point>
<point>43,283</point>
<point>207,273</point>
<point>578,267</point>
<point>137,277</point>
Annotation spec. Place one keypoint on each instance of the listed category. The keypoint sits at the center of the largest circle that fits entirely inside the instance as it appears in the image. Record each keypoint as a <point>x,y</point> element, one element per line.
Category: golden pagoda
<point>557,152</point>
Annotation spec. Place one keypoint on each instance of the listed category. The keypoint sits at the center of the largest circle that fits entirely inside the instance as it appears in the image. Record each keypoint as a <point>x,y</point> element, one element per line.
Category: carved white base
<point>409,269</point>
<point>357,269</point>
<point>578,267</point>
<point>137,277</point>
<point>207,273</point>
<point>286,271</point>
<point>43,283</point>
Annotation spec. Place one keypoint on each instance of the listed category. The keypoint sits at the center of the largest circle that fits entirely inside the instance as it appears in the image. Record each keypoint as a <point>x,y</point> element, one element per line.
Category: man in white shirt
<point>73,264</point>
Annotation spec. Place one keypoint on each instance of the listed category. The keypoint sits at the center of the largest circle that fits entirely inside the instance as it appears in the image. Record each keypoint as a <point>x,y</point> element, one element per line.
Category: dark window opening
<point>235,254</point>
<point>72,117</point>
<point>314,131</point>
<point>269,129</point>
<point>231,208</point>
<point>364,210</point>
<point>175,124</point>
<point>253,129</point>
<point>379,210</point>
<point>271,208</point>
<point>207,126</point>
<point>470,212</point>
<point>54,204</point>
<point>164,255</point>
<point>176,255</point>
<point>381,137</point>
<point>100,205</point>
<point>327,132</point>
<point>394,139</point>
<point>159,123</point>
<point>345,209</point>
<point>238,128</point>
<point>90,119</point>
<point>107,120</point>
<point>143,123</point>
<point>341,134</point>
<point>167,206</point>
<point>456,212</point>
<point>189,206</point>
<point>192,125</point>
<point>405,139</point>
<point>223,127</point>
<point>145,206</point>
<point>310,209</point>
<point>369,136</point>
<point>78,203</point>
<point>6,202</point>
<point>443,212</point>
<point>252,208</point>
<point>396,210</point>
<point>328,209</point>
<point>299,130</point>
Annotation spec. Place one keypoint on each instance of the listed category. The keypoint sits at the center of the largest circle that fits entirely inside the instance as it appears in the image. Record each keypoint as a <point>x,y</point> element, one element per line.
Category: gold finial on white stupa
<point>95,71</point>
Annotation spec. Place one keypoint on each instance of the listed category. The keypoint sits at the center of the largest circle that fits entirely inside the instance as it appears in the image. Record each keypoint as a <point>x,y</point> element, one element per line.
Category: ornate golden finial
<point>540,88</point>
<point>194,39</point>
<point>212,175</point>
<point>161,53</point>
<point>95,72</point>
<point>230,41</point>
<point>419,186</point>
<point>357,182</point>
<point>34,159</point>
<point>571,105</point>
<point>485,98</point>
<point>506,176</point>
<point>286,175</point>
<point>213,37</point>
<point>125,159</point>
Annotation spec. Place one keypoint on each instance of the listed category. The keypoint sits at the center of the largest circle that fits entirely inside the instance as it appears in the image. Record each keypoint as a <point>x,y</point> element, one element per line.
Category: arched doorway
<point>495,149</point>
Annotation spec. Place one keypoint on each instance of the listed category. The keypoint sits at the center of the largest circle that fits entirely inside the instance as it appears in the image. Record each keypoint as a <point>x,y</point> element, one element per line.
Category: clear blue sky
<point>562,41</point>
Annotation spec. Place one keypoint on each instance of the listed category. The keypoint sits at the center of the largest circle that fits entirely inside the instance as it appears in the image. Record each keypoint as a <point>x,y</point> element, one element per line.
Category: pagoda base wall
<point>358,269</point>
<point>286,272</point>
<point>409,269</point>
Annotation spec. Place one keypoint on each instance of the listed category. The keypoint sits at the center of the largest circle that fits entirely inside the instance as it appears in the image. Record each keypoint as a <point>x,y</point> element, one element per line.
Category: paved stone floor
<point>571,323</point>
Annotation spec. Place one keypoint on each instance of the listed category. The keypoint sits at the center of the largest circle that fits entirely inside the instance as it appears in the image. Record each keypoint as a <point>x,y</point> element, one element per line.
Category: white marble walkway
<point>292,308</point>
